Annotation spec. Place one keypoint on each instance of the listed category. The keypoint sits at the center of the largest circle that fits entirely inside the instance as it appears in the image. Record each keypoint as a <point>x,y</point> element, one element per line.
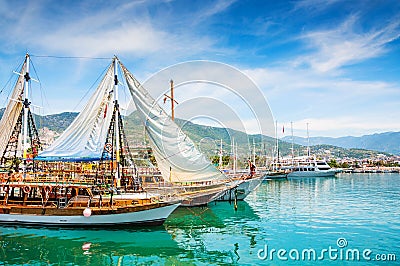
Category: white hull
<point>146,217</point>
<point>318,173</point>
<point>242,190</point>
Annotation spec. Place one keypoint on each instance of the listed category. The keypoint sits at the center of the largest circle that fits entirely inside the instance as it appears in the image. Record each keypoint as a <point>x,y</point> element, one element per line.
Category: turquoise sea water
<point>344,215</point>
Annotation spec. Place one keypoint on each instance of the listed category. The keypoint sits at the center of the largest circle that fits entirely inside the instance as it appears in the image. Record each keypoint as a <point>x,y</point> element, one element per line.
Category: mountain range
<point>208,138</point>
<point>388,142</point>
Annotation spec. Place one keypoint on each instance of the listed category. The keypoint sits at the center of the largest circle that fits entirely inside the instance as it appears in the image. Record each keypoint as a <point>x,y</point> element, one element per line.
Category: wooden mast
<point>172,100</point>
<point>26,110</point>
<point>171,97</point>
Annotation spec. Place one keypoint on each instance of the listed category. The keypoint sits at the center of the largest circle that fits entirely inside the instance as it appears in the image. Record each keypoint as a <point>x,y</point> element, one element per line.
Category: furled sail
<point>177,157</point>
<point>85,138</point>
<point>12,112</point>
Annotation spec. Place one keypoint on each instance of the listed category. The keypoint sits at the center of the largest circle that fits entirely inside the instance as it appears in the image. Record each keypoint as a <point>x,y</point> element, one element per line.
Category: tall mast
<point>220,155</point>
<point>254,153</point>
<point>308,142</point>
<point>234,155</point>
<point>266,155</point>
<point>26,110</point>
<point>291,127</point>
<point>172,100</point>
<point>117,133</point>
<point>276,146</point>
<point>171,97</point>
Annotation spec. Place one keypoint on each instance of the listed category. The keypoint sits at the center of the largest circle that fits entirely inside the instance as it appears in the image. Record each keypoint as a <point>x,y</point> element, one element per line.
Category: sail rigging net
<point>177,157</point>
<point>85,138</point>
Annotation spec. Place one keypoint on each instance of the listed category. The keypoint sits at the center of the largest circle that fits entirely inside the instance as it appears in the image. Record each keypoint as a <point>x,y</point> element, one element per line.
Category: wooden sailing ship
<point>85,178</point>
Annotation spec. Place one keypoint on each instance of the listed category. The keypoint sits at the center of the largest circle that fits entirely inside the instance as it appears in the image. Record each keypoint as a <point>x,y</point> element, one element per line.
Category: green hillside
<point>208,138</point>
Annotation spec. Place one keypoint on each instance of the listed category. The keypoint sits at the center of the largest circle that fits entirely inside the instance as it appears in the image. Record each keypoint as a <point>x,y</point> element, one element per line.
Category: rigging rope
<point>91,87</point>
<point>11,77</point>
<point>73,57</point>
<point>42,94</point>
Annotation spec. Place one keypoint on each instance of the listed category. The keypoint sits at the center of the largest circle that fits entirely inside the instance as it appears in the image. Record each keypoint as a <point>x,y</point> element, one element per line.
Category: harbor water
<point>353,219</point>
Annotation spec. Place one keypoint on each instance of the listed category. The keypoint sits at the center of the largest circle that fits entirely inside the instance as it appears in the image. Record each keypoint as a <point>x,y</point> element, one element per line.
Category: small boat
<point>85,178</point>
<point>308,166</point>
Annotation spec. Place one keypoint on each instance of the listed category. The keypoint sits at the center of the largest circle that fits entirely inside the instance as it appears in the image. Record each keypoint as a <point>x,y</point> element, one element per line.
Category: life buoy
<point>47,189</point>
<point>108,147</point>
<point>27,189</point>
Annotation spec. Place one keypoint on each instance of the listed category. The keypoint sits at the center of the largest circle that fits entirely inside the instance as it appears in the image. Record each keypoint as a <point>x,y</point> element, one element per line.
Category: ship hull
<point>242,190</point>
<point>100,218</point>
<point>300,174</point>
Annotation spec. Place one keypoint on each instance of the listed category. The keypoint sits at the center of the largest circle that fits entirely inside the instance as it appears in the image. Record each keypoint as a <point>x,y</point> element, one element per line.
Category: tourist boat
<point>309,166</point>
<point>184,171</point>
<point>85,178</point>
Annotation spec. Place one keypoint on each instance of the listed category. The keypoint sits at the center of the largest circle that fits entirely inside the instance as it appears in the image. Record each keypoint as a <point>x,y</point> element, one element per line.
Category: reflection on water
<point>299,213</point>
<point>24,245</point>
<point>214,234</point>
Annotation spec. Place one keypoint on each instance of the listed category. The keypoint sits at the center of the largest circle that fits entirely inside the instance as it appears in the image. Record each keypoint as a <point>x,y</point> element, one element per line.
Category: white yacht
<point>306,166</point>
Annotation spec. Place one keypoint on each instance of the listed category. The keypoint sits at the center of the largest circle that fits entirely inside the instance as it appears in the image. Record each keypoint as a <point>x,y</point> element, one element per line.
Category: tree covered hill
<point>208,138</point>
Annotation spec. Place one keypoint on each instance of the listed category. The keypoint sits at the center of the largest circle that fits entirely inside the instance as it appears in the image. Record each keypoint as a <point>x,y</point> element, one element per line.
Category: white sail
<point>12,112</point>
<point>85,138</point>
<point>177,157</point>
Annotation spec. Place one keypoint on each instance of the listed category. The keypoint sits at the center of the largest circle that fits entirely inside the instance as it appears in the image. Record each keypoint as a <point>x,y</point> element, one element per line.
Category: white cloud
<point>314,5</point>
<point>129,37</point>
<point>216,8</point>
<point>346,45</point>
<point>358,107</point>
<point>84,29</point>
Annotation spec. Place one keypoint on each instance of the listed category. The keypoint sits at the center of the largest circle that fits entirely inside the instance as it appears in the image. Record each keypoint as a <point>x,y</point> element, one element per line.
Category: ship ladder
<point>62,202</point>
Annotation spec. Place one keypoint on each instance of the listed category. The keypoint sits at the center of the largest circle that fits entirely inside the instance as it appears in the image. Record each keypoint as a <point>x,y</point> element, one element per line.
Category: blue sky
<point>333,64</point>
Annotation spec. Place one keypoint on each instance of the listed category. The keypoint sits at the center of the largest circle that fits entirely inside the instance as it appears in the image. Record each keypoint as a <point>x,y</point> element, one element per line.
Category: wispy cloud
<point>215,8</point>
<point>128,29</point>
<point>305,95</point>
<point>346,44</point>
<point>315,6</point>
